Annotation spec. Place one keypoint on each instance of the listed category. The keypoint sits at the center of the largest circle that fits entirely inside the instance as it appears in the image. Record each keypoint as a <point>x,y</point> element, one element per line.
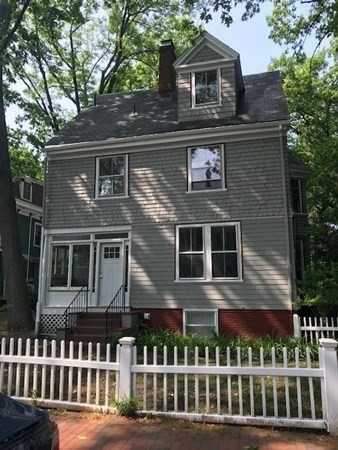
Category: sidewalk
<point>96,431</point>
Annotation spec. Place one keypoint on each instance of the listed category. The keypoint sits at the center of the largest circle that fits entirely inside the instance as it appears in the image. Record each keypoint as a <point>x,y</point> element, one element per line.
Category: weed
<point>126,407</point>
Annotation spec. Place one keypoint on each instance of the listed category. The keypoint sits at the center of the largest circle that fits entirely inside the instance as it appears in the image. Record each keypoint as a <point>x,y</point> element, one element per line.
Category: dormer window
<point>205,87</point>
<point>26,190</point>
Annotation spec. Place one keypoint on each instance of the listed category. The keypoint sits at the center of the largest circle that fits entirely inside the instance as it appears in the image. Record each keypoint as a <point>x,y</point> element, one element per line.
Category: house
<point>181,197</point>
<point>28,198</point>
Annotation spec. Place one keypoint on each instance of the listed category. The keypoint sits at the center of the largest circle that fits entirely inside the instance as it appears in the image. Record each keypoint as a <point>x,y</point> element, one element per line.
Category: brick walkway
<point>95,431</point>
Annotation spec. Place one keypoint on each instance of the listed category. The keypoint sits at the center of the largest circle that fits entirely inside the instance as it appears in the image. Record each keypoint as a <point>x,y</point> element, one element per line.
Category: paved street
<point>96,431</point>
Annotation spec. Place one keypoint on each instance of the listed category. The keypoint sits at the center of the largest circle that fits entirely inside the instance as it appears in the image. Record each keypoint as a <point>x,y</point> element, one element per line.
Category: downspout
<point>29,247</point>
<point>41,287</point>
<point>285,204</point>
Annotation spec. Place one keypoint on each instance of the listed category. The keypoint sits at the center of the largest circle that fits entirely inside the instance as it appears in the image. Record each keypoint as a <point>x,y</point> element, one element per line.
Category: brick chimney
<point>167,75</point>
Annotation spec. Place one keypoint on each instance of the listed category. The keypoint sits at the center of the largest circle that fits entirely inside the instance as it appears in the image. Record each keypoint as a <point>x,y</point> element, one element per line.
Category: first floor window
<point>206,168</point>
<point>201,322</point>
<point>112,176</point>
<point>208,252</point>
<point>70,265</point>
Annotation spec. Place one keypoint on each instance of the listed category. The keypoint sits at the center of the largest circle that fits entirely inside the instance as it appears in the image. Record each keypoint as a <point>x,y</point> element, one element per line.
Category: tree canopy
<point>65,52</point>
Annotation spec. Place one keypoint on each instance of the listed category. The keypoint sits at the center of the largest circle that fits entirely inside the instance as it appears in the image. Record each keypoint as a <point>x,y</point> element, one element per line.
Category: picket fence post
<point>126,360</point>
<point>297,333</point>
<point>329,364</point>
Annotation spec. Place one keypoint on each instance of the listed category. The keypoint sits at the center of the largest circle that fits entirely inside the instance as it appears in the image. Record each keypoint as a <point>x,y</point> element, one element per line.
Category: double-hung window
<point>112,176</point>
<point>205,87</point>
<point>206,168</point>
<point>70,265</point>
<point>208,252</point>
<point>297,195</point>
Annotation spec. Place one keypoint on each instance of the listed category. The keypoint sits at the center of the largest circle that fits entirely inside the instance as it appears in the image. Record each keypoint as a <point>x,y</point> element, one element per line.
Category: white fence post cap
<point>327,342</point>
<point>127,341</point>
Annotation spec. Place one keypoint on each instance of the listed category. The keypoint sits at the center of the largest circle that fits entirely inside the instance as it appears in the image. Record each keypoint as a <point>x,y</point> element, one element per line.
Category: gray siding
<point>264,284</point>
<point>228,96</point>
<point>205,54</point>
<point>158,189</point>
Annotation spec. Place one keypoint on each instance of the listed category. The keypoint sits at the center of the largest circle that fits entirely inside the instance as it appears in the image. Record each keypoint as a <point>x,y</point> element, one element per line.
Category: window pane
<point>202,330</point>
<point>224,265</point>
<point>184,239</point>
<point>206,87</point>
<point>118,186</point>
<point>105,187</point>
<point>217,239</point>
<point>191,266</point>
<point>197,239</point>
<point>80,265</point>
<point>190,239</point>
<point>230,238</point>
<point>200,317</point>
<point>205,168</point>
<point>59,269</point>
<point>105,166</point>
<point>118,165</point>
<point>296,192</point>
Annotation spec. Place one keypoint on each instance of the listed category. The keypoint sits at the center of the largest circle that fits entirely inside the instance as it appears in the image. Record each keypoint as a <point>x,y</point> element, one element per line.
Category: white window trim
<point>193,86</point>
<point>214,311</point>
<point>36,225</point>
<point>126,184</point>
<point>207,254</point>
<point>223,187</point>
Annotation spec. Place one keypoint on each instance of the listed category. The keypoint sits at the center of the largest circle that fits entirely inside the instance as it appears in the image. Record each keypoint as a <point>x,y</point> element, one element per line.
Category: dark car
<point>24,427</point>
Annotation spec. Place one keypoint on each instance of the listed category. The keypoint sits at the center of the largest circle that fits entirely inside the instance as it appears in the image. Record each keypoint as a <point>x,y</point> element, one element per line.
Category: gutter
<point>228,133</point>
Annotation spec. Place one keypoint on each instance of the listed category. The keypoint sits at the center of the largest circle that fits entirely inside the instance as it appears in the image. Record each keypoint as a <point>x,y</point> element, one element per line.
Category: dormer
<point>209,80</point>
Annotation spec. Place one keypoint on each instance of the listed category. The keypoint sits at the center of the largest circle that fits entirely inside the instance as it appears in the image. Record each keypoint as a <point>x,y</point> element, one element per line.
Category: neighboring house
<point>182,195</point>
<point>28,198</point>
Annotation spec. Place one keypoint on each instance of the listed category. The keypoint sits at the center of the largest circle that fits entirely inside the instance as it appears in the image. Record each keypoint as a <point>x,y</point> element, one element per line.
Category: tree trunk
<point>19,314</point>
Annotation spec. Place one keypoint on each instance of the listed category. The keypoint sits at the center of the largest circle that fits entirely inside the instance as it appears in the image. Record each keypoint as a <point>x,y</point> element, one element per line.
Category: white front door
<point>111,272</point>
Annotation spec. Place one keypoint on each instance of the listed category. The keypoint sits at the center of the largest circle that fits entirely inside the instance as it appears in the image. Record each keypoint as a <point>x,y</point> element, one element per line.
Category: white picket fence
<point>210,387</point>
<point>314,328</point>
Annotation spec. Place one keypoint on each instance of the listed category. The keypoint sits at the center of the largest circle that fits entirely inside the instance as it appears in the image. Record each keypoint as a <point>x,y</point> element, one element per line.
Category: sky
<point>250,39</point>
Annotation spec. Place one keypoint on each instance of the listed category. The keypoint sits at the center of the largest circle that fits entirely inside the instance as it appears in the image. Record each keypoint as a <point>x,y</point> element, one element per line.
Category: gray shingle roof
<point>262,100</point>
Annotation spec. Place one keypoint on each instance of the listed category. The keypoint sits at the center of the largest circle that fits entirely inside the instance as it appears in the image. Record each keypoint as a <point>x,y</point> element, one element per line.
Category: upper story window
<point>208,252</point>
<point>297,195</point>
<point>112,176</point>
<point>26,190</point>
<point>206,168</point>
<point>205,87</point>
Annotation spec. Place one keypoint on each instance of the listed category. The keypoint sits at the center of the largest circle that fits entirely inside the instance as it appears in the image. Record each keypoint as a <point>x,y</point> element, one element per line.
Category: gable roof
<point>219,49</point>
<point>139,113</point>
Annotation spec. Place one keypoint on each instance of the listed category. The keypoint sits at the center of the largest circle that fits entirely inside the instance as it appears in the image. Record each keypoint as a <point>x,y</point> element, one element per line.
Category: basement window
<point>200,321</point>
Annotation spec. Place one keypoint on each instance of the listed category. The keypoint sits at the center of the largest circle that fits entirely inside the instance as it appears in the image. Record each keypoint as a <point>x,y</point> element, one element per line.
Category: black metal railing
<point>114,311</point>
<point>78,306</point>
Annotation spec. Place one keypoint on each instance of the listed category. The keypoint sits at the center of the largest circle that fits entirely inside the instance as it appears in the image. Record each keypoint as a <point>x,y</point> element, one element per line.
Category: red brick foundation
<point>255,322</point>
<point>244,322</point>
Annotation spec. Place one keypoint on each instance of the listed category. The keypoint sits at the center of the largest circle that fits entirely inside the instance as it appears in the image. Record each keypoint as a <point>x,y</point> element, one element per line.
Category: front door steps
<point>91,327</point>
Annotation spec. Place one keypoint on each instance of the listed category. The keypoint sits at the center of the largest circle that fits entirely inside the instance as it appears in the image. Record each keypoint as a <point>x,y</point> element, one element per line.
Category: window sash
<point>209,264</point>
<point>201,322</point>
<point>297,195</point>
<point>37,234</point>
<point>69,265</point>
<point>207,174</point>
<point>206,87</point>
<point>111,176</point>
